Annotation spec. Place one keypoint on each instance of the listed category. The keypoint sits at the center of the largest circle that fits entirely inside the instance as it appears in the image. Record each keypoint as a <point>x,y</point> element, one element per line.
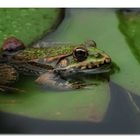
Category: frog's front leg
<point>55,81</point>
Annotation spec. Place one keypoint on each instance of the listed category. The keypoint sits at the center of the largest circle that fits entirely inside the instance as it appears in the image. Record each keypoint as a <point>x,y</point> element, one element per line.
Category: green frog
<point>53,64</point>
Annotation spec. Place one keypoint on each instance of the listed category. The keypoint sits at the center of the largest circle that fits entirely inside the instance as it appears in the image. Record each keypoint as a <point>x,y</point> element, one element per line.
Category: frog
<point>52,64</point>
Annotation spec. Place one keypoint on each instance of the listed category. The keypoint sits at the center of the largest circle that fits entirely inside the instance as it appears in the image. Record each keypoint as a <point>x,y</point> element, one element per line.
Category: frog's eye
<point>80,54</point>
<point>12,44</point>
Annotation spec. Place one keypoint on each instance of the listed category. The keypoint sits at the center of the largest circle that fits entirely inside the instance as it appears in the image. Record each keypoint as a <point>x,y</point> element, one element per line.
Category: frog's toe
<point>2,89</point>
<point>7,74</point>
<point>77,85</point>
<point>8,89</point>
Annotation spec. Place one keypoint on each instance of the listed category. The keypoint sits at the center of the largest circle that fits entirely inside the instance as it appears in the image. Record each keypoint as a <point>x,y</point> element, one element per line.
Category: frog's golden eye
<point>80,54</point>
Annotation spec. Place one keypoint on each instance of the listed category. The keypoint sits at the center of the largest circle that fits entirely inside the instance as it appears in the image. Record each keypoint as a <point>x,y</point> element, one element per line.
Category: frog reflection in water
<point>52,65</point>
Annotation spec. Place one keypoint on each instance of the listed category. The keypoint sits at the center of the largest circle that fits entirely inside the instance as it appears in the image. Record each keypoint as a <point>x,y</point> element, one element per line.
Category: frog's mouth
<point>87,67</point>
<point>95,70</point>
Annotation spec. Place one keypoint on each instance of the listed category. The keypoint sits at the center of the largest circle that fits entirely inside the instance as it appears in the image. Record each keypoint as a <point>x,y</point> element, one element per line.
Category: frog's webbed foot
<point>54,81</point>
<point>2,89</point>
<point>8,75</point>
<point>11,89</point>
<point>78,85</point>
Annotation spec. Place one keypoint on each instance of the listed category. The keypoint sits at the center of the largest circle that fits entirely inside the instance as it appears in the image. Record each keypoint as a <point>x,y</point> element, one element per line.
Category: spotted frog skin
<point>52,64</point>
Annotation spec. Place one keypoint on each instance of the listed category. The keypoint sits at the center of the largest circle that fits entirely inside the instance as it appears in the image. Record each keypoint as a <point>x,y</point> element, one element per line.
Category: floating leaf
<point>130,27</point>
<point>29,24</point>
<point>77,105</point>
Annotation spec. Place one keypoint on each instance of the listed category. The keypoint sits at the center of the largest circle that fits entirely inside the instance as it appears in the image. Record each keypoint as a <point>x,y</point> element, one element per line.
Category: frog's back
<point>31,53</point>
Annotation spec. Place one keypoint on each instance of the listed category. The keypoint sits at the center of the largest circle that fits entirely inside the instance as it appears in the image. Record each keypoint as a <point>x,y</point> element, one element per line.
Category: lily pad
<point>130,27</point>
<point>77,105</point>
<point>28,24</point>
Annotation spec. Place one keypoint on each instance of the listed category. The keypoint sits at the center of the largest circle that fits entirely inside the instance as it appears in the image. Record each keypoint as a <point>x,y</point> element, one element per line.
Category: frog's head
<point>85,58</point>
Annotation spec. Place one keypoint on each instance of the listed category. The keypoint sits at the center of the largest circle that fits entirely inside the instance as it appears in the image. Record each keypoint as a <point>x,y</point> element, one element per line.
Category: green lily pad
<point>29,24</point>
<point>101,25</point>
<point>77,105</point>
<point>130,27</point>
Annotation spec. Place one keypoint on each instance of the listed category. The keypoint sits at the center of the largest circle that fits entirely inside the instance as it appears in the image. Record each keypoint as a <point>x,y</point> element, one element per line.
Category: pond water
<point>110,107</point>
